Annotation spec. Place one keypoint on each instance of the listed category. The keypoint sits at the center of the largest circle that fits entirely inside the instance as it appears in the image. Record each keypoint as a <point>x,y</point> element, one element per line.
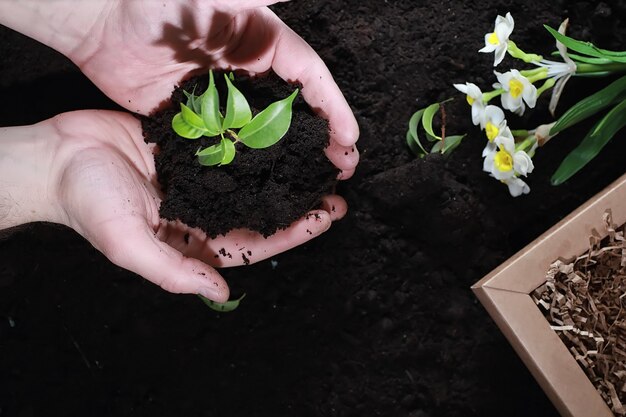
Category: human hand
<point>137,51</point>
<point>92,171</point>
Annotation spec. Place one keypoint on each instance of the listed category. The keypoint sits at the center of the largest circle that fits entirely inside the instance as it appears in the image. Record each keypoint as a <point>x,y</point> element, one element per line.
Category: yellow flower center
<point>492,131</point>
<point>493,39</point>
<point>516,88</point>
<point>503,161</point>
<point>470,100</point>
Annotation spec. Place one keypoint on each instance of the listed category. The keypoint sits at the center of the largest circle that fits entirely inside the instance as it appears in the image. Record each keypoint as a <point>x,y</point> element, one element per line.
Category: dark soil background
<point>374,318</point>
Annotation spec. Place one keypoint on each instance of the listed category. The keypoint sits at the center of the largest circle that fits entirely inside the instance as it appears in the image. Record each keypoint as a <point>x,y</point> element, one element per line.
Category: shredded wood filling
<point>585,303</point>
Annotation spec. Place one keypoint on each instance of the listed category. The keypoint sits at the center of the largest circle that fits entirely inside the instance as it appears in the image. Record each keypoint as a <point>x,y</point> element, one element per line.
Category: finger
<point>294,60</point>
<point>335,206</point>
<point>345,158</point>
<point>139,251</point>
<point>244,247</point>
<point>344,175</point>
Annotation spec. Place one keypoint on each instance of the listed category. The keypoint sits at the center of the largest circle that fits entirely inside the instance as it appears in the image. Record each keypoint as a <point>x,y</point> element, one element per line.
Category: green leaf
<point>210,103</point>
<point>591,105</point>
<point>584,59</point>
<point>229,151</point>
<point>412,139</point>
<point>184,129</point>
<point>193,101</point>
<point>447,145</point>
<point>587,48</point>
<point>596,139</point>
<point>238,112</point>
<point>269,126</point>
<point>226,307</point>
<point>213,155</point>
<point>191,118</point>
<point>427,121</point>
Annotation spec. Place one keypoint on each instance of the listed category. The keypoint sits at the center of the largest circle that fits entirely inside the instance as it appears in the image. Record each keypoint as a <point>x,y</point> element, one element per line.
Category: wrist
<point>28,175</point>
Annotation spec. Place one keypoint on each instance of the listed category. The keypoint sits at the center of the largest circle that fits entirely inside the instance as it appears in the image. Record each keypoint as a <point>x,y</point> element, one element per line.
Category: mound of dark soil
<point>262,189</point>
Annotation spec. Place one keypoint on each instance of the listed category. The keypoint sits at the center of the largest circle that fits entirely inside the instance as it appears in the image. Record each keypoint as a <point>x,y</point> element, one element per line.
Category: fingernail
<point>212,294</point>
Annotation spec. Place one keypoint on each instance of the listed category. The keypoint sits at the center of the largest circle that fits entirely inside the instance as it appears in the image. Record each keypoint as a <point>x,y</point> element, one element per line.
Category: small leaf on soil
<point>212,155</point>
<point>427,121</point>
<point>238,112</point>
<point>269,126</point>
<point>193,101</point>
<point>411,135</point>
<point>210,103</point>
<point>184,129</point>
<point>229,151</point>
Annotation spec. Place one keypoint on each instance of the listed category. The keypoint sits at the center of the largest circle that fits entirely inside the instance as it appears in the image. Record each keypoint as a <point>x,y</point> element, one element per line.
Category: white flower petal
<point>522,163</point>
<point>478,110</point>
<point>463,88</point>
<point>517,187</point>
<point>489,149</point>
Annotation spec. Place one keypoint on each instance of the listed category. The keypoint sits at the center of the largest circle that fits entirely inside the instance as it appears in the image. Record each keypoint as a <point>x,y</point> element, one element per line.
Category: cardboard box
<point>505,293</point>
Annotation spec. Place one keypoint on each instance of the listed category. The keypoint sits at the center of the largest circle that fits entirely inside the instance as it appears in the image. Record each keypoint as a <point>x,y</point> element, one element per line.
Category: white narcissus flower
<point>517,90</point>
<point>517,187</point>
<point>503,134</point>
<point>498,40</point>
<point>505,163</point>
<point>474,98</point>
<point>493,122</point>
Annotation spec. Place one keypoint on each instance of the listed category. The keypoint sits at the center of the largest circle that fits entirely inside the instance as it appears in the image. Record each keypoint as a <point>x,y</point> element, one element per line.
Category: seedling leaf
<point>591,105</point>
<point>270,125</point>
<point>587,48</point>
<point>412,139</point>
<point>238,112</point>
<point>427,121</point>
<point>226,307</point>
<point>448,144</point>
<point>184,129</point>
<point>596,139</point>
<point>210,103</point>
<point>213,155</point>
<point>584,59</point>
<point>193,101</point>
<point>229,151</point>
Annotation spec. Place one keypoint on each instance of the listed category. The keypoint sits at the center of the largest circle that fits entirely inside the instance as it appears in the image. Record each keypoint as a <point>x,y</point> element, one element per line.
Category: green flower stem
<point>527,144</point>
<point>613,67</point>
<point>515,52</point>
<point>533,72</point>
<point>487,97</point>
<point>546,86</point>
<point>520,133</point>
<point>540,75</point>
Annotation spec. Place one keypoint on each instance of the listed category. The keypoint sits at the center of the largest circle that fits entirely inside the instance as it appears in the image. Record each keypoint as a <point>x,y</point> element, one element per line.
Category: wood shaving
<point>585,303</point>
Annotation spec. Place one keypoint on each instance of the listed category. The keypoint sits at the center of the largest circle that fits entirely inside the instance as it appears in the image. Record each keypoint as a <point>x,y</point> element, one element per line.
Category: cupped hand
<point>138,50</point>
<point>105,181</point>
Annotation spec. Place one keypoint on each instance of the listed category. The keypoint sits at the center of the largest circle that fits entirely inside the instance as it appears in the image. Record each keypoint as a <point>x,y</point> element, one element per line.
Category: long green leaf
<point>191,118</point>
<point>427,121</point>
<point>591,105</point>
<point>270,125</point>
<point>238,112</point>
<point>210,103</point>
<point>412,139</point>
<point>226,307</point>
<point>591,145</point>
<point>184,129</point>
<point>585,59</point>
<point>212,155</point>
<point>587,48</point>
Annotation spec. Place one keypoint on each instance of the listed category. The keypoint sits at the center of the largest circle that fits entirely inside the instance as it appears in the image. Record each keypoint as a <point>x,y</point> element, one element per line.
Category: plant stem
<point>546,86</point>
<point>515,52</point>
<point>520,133</point>
<point>487,97</point>
<point>526,144</point>
<point>613,67</point>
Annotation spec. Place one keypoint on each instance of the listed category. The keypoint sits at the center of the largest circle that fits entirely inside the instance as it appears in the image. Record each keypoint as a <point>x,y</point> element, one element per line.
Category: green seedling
<point>442,144</point>
<point>201,116</point>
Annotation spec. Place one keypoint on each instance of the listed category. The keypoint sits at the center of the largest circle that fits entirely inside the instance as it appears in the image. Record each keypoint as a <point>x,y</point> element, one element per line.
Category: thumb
<point>140,251</point>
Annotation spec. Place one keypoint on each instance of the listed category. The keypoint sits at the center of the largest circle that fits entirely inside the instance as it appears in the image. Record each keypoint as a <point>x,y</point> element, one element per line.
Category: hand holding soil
<point>135,52</point>
<point>96,175</point>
